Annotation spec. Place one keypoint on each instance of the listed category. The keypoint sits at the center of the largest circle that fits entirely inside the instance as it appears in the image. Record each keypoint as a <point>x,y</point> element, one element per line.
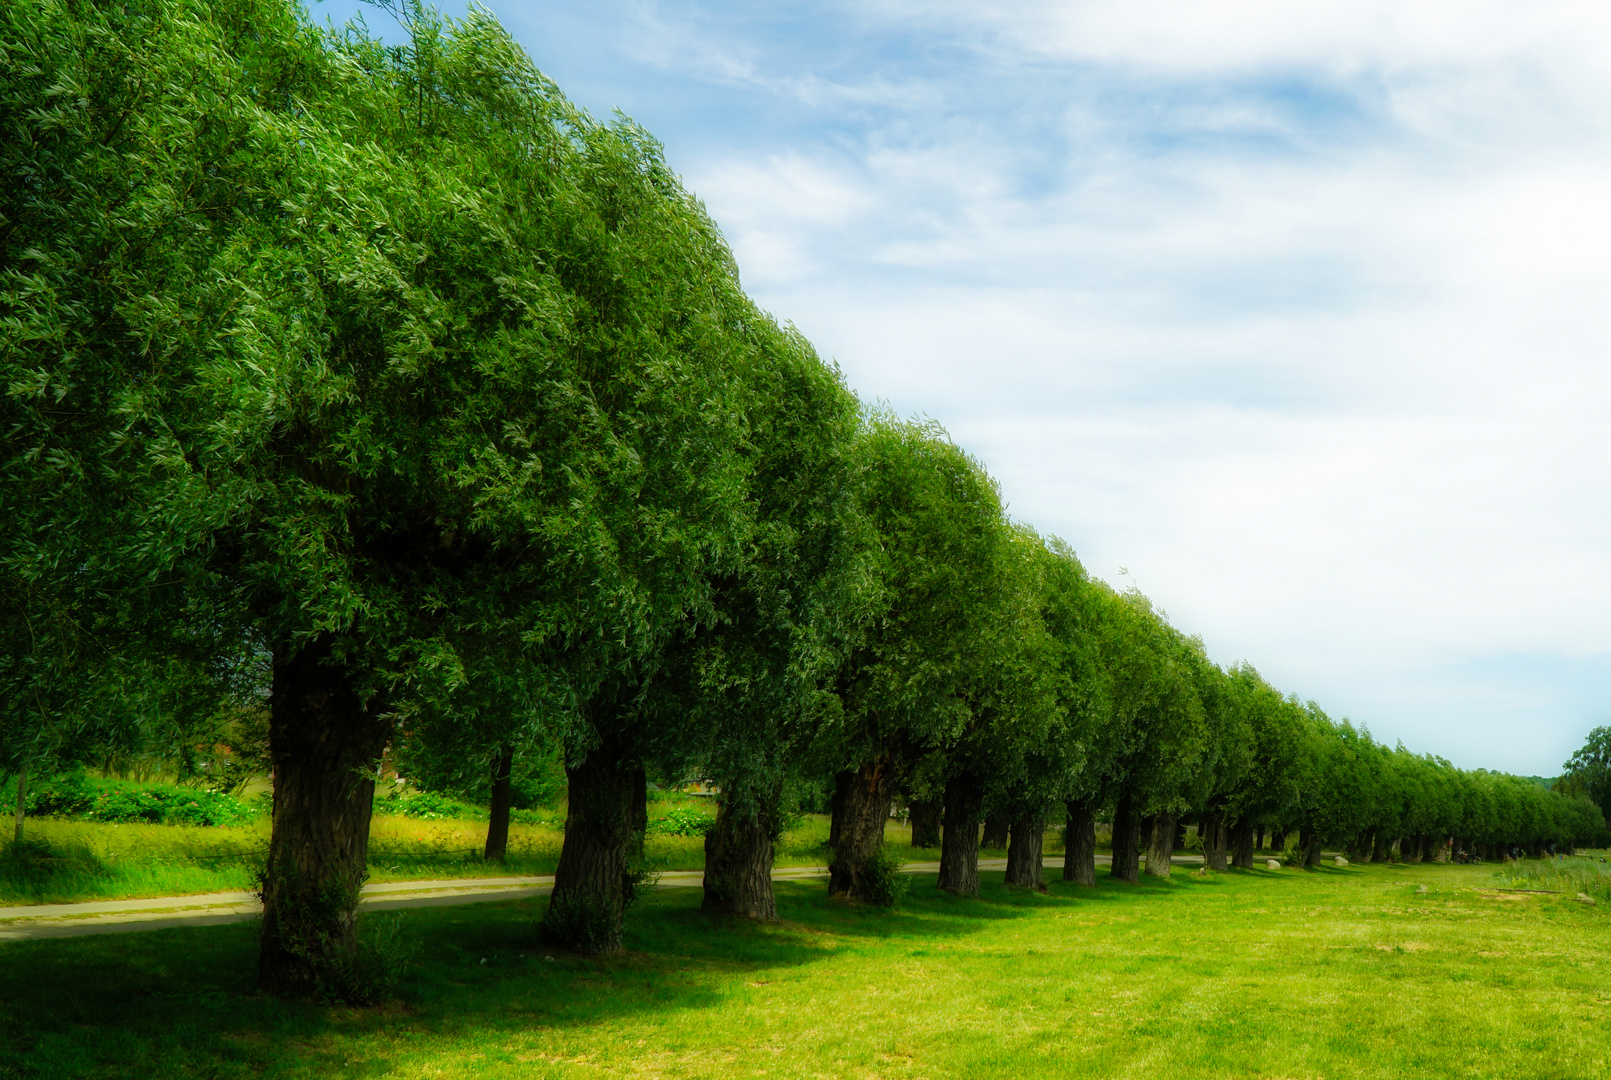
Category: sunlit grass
<point>1336,973</point>
<point>82,860</point>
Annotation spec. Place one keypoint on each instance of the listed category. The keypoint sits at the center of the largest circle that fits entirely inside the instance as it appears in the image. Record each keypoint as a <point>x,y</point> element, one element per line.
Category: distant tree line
<point>385,382</point>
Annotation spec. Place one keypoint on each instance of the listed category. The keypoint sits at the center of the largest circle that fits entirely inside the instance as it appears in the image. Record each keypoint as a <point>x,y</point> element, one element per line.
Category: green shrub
<point>882,882</point>
<point>384,956</point>
<point>426,806</point>
<point>76,795</point>
<point>683,821</point>
<point>577,922</point>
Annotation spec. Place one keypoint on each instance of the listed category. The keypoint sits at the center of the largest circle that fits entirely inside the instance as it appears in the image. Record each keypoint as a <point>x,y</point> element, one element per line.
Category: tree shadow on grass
<point>182,1003</point>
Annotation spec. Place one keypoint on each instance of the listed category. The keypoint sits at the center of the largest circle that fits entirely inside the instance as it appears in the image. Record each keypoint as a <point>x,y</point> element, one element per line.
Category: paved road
<point>126,916</point>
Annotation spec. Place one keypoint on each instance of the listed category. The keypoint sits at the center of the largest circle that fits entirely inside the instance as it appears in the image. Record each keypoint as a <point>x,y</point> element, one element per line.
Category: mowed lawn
<point>1332,973</point>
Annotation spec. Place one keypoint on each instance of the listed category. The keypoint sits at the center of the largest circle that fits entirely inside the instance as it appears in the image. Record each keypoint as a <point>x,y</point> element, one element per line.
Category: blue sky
<point>1294,311</point>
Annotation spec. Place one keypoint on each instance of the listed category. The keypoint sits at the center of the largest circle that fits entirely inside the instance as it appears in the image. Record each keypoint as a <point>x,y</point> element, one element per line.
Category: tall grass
<point>1589,875</point>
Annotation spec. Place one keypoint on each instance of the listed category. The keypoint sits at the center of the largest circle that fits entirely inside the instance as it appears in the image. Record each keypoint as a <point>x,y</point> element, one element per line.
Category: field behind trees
<point>1382,971</point>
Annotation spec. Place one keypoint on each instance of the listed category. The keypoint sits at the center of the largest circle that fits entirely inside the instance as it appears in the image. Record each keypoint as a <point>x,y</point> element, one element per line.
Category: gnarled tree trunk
<point>861,802</point>
<point>1308,847</point>
<point>926,817</point>
<point>1026,837</point>
<point>1216,841</point>
<point>326,745</point>
<point>592,881</point>
<point>738,862</point>
<point>959,842</point>
<point>1126,841</point>
<point>1162,846</point>
<point>1079,842</point>
<point>997,831</point>
<point>1242,845</point>
<point>498,812</point>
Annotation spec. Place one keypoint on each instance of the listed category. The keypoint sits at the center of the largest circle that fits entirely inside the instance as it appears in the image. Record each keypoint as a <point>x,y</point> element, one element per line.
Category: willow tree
<point>929,525</point>
<point>1150,667</point>
<point>404,364</point>
<point>1010,685</point>
<point>746,690</point>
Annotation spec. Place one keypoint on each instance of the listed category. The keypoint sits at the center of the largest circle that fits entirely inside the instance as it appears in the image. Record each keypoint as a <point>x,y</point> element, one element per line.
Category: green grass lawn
<point>1333,973</point>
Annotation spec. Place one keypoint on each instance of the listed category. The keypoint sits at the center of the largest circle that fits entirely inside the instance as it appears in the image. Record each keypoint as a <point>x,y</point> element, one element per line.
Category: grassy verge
<point>1335,973</point>
<point>68,861</point>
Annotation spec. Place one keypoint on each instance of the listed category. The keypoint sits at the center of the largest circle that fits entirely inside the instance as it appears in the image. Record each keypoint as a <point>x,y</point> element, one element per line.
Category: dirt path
<point>127,916</point>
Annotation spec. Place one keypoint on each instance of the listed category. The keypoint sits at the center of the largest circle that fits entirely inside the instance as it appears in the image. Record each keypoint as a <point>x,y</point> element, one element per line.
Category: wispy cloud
<point>1296,310</point>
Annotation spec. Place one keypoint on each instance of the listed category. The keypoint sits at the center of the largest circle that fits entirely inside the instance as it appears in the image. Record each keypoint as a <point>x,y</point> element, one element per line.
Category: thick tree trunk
<point>1380,849</point>
<point>997,831</point>
<point>1308,847</point>
<point>1242,845</point>
<point>1126,841</point>
<point>498,812</point>
<point>22,801</point>
<point>926,823</point>
<point>1216,841</point>
<point>592,881</point>
<point>959,841</point>
<point>325,745</point>
<point>1162,846</point>
<point>1027,834</point>
<point>738,863</point>
<point>1079,842</point>
<point>861,802</point>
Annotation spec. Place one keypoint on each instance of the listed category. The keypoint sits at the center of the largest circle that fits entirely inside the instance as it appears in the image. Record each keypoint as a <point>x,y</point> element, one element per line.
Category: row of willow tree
<point>383,382</point>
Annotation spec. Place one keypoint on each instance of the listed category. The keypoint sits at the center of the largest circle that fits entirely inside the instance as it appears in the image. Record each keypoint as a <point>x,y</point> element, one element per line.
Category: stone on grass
<point>1271,864</point>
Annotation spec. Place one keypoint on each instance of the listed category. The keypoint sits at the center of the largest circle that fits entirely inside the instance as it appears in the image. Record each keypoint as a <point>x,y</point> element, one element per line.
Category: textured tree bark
<point>959,841</point>
<point>1079,843</point>
<point>1380,849</point>
<point>861,802</point>
<point>1025,840</point>
<point>1241,837</point>
<point>325,744</point>
<point>1216,841</point>
<point>1126,841</point>
<point>738,864</point>
<point>590,884</point>
<point>1308,847</point>
<point>1162,846</point>
<point>926,823</point>
<point>997,831</point>
<point>498,812</point>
